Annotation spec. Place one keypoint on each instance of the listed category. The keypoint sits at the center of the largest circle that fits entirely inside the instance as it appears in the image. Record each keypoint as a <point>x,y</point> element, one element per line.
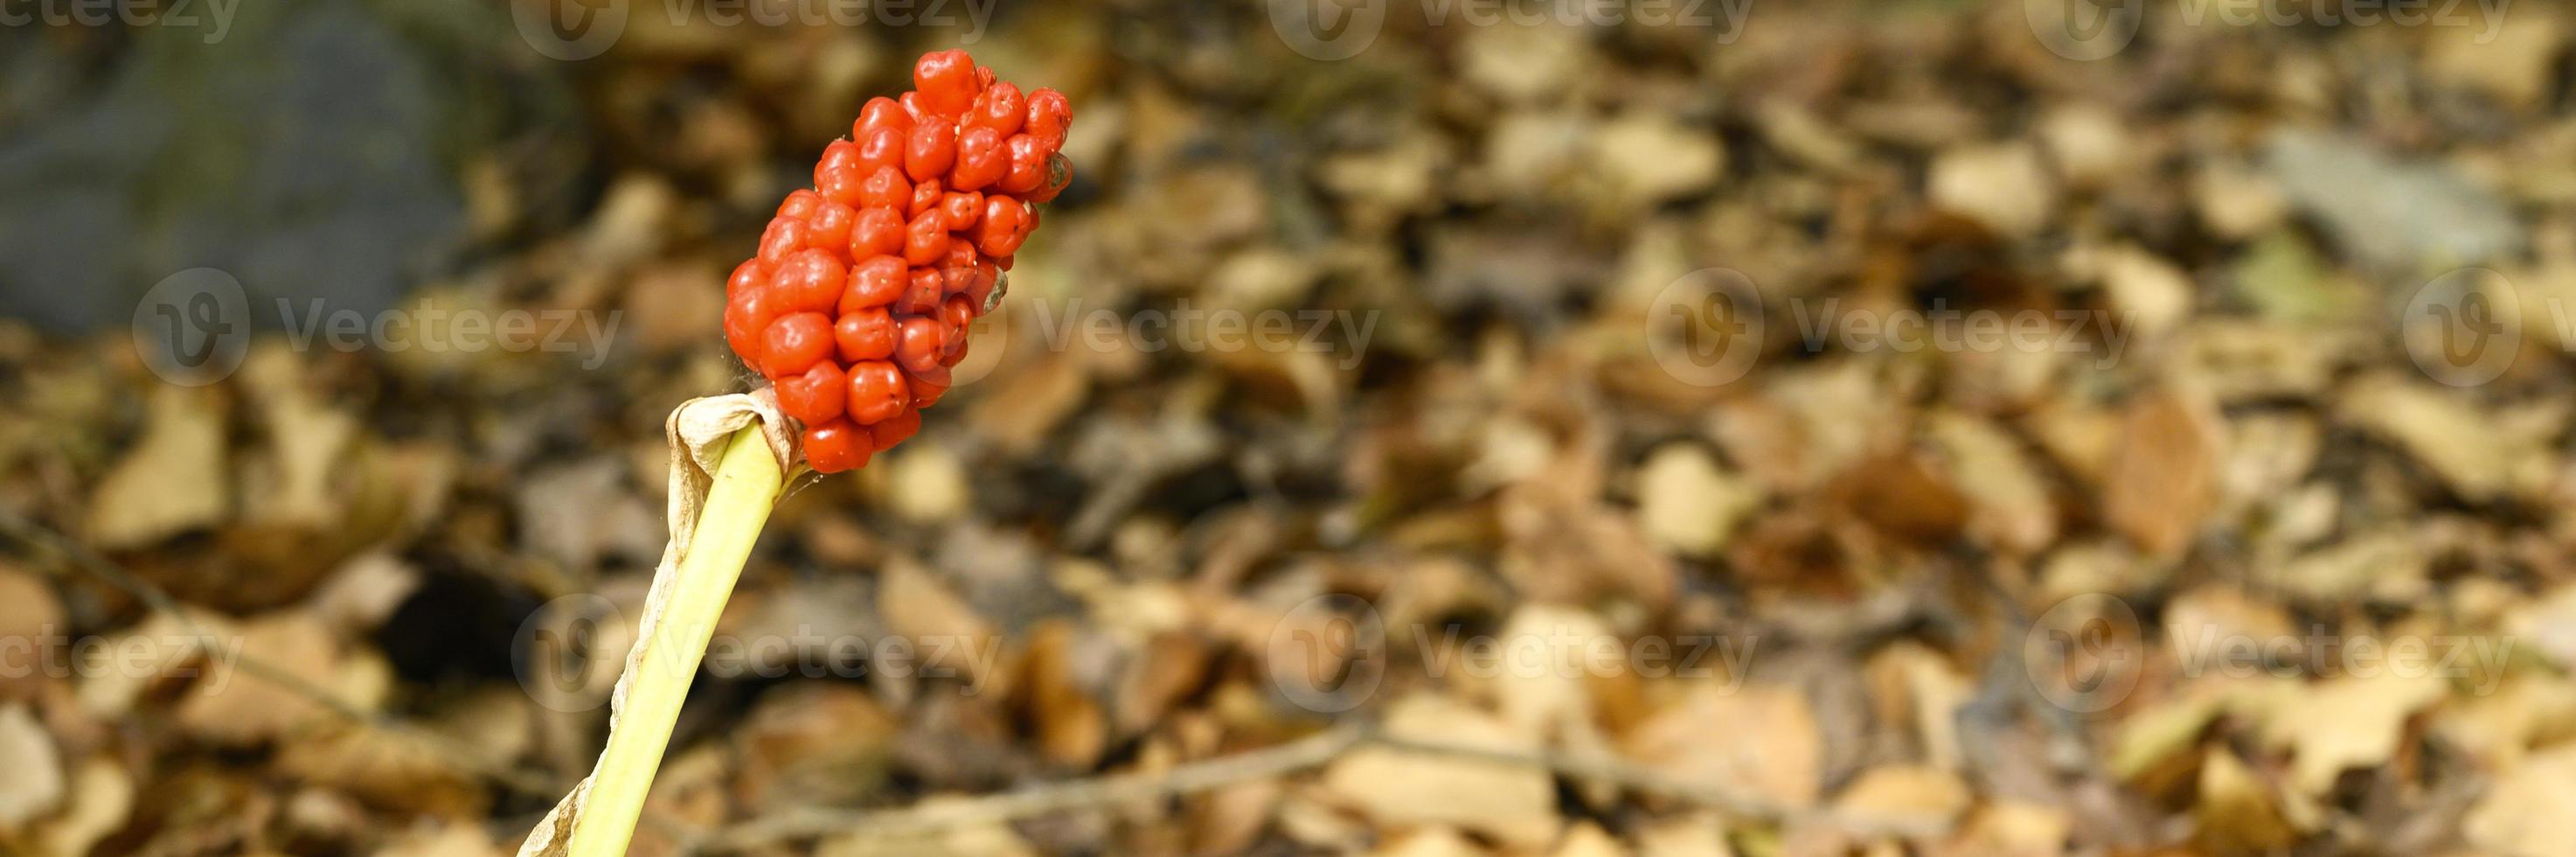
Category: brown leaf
<point>2164,476</point>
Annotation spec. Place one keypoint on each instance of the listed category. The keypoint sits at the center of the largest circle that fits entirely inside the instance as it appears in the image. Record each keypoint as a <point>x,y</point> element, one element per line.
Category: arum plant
<point>853,310</point>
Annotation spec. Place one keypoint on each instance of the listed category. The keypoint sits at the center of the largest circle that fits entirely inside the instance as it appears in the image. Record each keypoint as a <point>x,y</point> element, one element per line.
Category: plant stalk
<point>746,486</point>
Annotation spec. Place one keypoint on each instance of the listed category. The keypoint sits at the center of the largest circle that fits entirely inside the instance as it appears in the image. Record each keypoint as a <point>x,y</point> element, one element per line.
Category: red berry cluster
<point>858,302</point>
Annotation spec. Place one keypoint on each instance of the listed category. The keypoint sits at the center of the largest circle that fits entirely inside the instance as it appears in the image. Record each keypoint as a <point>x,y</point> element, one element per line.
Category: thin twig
<point>1297,755</point>
<point>1308,752</point>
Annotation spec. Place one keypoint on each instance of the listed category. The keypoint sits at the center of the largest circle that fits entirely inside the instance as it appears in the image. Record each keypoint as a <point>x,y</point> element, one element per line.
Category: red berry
<point>747,315</point>
<point>955,315</point>
<point>1004,226</point>
<point>975,282</point>
<point>1027,165</point>
<point>875,283</point>
<point>837,446</point>
<point>946,81</point>
<point>927,388</point>
<point>1059,175</point>
<point>814,397</point>
<point>962,209</point>
<point>785,236</point>
<point>880,112</point>
<point>881,148</point>
<point>829,227</point>
<point>1049,116</point>
<point>877,232</point>
<point>895,429</point>
<point>748,275</point>
<point>982,159</point>
<point>810,281</point>
<point>961,254</point>
<point>886,189</point>
<point>799,203</point>
<point>926,238</point>
<point>925,196</point>
<point>921,294</point>
<point>918,344</point>
<point>837,176</point>
<point>1000,108</point>
<point>864,334</point>
<point>930,149</point>
<point>876,392</point>
<point>793,343</point>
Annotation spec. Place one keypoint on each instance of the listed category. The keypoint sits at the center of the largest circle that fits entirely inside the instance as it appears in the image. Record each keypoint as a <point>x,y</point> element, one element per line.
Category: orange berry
<point>793,343</point>
<point>998,107</point>
<point>887,189</point>
<point>931,148</point>
<point>926,238</point>
<point>877,232</point>
<point>864,334</point>
<point>810,281</point>
<point>895,429</point>
<point>813,397</point>
<point>946,81</point>
<point>876,392</point>
<point>875,283</point>
<point>837,446</point>
<point>918,343</point>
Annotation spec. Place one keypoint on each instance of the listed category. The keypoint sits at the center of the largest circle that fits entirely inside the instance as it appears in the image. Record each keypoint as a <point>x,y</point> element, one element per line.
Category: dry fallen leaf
<point>1512,803</point>
<point>1907,800</point>
<point>2531,809</point>
<point>1770,749</point>
<point>2347,722</point>
<point>2237,811</point>
<point>172,480</point>
<point>34,785</point>
<point>2164,474</point>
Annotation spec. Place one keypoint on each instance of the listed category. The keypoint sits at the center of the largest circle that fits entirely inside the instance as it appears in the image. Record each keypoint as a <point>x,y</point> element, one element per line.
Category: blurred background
<point>1658,427</point>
